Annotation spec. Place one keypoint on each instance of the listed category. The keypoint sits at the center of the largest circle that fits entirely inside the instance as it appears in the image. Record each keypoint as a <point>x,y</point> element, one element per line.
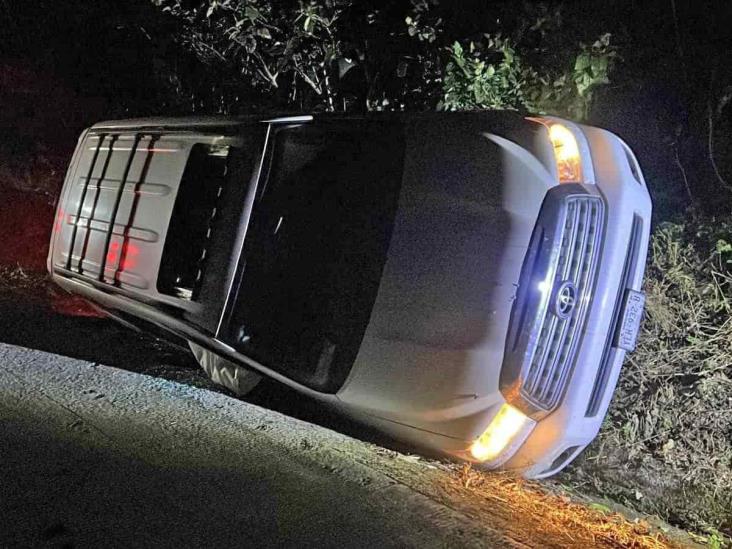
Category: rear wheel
<point>224,372</point>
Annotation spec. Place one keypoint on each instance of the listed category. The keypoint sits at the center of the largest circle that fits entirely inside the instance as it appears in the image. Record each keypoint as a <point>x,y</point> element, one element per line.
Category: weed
<point>666,445</point>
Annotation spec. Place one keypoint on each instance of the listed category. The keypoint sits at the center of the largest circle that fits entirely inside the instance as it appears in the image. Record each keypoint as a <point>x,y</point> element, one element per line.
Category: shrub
<point>341,55</point>
<point>333,55</point>
<point>492,74</point>
<point>666,445</point>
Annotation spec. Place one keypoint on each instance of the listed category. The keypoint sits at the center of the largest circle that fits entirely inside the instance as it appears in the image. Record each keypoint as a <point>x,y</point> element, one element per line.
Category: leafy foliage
<point>270,49</point>
<point>494,75</point>
<point>341,55</point>
<point>472,82</point>
<point>334,55</point>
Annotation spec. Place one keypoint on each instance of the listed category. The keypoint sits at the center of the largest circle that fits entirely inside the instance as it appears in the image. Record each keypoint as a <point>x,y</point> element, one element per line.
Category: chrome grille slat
<point>578,258</point>
<point>572,238</point>
<point>541,351</point>
<point>547,370</point>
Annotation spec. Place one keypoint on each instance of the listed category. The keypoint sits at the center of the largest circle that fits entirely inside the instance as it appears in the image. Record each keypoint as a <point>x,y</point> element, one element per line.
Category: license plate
<point>630,319</point>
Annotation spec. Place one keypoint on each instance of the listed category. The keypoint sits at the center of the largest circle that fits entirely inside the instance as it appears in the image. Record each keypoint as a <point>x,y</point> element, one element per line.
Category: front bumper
<point>560,436</point>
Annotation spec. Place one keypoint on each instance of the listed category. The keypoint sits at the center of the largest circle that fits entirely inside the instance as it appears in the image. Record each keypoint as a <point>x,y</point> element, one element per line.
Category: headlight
<point>566,154</point>
<point>501,439</point>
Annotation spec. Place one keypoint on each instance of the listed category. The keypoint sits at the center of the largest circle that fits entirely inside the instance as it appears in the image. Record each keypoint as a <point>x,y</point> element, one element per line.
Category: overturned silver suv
<point>468,283</point>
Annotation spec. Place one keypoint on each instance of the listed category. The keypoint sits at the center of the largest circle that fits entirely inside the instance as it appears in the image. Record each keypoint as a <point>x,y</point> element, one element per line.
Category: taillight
<point>58,224</point>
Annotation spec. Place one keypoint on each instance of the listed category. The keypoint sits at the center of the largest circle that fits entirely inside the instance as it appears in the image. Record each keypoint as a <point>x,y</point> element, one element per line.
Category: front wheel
<point>224,372</point>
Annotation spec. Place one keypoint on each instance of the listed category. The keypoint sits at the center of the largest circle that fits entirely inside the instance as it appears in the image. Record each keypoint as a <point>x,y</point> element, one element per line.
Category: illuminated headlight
<point>566,154</point>
<point>504,435</point>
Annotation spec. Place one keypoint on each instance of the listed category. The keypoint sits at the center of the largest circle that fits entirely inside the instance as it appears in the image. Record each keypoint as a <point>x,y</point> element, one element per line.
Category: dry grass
<point>557,514</point>
<point>533,514</point>
<point>666,446</point>
<point>17,279</point>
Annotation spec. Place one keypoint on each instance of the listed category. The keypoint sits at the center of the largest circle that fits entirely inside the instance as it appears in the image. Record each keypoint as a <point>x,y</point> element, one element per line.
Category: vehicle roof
<point>181,121</point>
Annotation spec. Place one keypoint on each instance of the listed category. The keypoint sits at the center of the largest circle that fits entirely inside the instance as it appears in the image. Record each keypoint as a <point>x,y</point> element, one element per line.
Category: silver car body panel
<point>428,370</point>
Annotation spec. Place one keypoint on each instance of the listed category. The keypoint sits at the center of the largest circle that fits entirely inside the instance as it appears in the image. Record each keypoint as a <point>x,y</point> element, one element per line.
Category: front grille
<point>570,288</point>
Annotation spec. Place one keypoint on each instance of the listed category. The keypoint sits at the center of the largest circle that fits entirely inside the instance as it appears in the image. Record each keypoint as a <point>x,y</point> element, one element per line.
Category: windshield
<point>316,249</point>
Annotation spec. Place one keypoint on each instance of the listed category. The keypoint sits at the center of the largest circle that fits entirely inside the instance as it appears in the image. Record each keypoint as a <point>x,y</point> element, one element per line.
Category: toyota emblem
<point>565,299</point>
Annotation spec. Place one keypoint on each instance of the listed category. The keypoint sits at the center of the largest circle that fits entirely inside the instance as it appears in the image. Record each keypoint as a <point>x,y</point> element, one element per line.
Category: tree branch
<point>683,172</point>
<point>266,73</point>
<point>309,81</point>
<point>710,137</point>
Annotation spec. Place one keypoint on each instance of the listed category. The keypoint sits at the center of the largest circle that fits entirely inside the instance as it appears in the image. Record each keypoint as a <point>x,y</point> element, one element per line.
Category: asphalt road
<point>95,456</point>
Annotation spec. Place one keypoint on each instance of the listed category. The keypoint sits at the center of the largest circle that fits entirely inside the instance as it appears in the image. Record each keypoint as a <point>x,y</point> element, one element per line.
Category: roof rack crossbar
<point>82,199</point>
<point>115,208</point>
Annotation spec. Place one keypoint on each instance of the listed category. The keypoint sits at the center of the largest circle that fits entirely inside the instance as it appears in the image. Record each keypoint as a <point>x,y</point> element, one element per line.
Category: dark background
<point>67,64</point>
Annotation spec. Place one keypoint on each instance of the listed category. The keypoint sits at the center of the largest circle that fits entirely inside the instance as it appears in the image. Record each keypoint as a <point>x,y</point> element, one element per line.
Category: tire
<point>224,372</point>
